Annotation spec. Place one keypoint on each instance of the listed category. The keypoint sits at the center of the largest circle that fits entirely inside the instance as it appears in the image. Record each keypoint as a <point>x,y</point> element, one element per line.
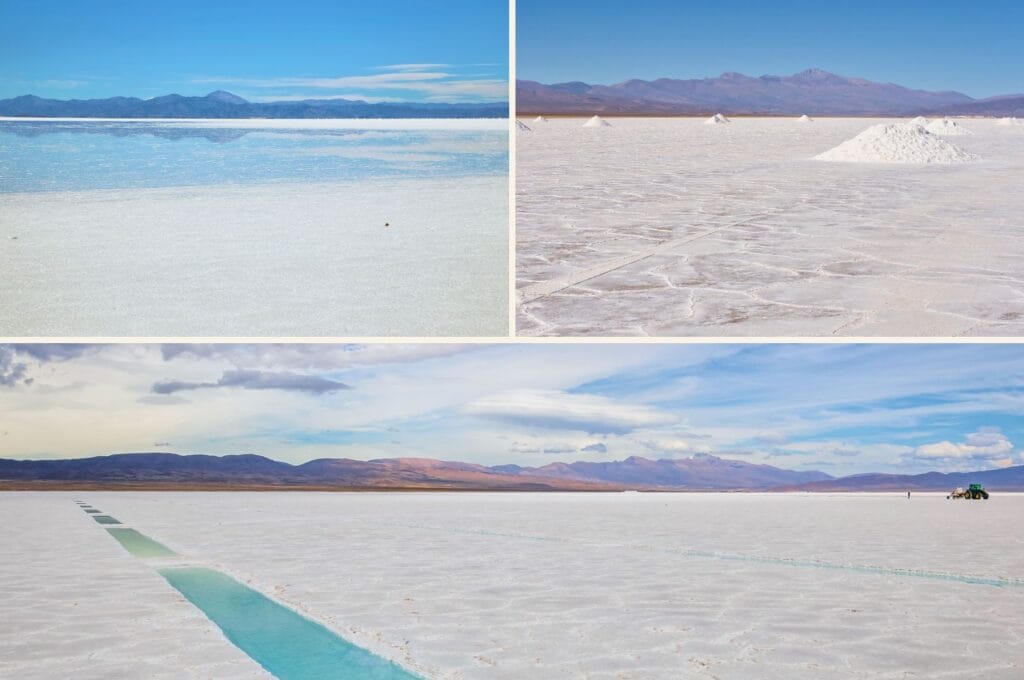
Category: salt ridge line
<point>545,288</point>
<point>998,582</point>
<point>320,653</point>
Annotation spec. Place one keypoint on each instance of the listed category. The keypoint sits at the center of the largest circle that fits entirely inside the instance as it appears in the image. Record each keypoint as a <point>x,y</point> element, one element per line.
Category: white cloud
<point>675,446</point>
<point>350,96</point>
<point>988,443</point>
<point>562,410</point>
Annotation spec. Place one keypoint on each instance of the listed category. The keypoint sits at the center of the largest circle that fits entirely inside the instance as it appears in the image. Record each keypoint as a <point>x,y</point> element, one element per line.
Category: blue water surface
<point>288,645</point>
<point>82,155</point>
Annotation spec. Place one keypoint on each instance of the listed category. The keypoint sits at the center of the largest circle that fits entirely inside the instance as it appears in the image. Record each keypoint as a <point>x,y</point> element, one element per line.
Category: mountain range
<point>811,92</point>
<point>222,104</point>
<point>700,473</point>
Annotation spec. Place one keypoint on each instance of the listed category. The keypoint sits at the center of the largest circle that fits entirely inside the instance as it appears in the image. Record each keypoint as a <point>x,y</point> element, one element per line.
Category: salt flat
<point>541,586</point>
<point>72,604</point>
<point>669,227</point>
<point>288,259</point>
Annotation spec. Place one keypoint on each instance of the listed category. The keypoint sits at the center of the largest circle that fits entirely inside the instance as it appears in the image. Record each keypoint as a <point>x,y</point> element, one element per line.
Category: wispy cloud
<point>353,96</point>
<point>411,67</point>
<point>550,409</point>
<point>402,82</point>
<point>61,84</point>
<point>257,380</point>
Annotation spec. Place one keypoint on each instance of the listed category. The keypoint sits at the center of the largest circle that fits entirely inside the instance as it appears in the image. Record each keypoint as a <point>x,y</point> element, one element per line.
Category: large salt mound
<point>897,144</point>
<point>947,127</point>
<point>805,119</point>
<point>597,121</point>
<point>540,119</point>
<point>520,125</point>
<point>717,119</point>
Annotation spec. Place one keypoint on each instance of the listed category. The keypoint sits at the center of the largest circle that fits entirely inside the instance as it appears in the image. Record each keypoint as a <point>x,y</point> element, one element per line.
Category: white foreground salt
<point>467,586</point>
<point>76,605</point>
<point>662,229</point>
<point>285,259</point>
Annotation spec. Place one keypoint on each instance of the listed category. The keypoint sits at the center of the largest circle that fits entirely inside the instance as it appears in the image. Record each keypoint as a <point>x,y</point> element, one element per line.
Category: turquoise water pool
<point>286,644</point>
<point>140,545</point>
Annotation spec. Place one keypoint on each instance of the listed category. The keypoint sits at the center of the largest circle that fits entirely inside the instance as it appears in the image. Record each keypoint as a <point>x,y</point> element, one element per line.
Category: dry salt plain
<point>253,228</point>
<point>538,586</point>
<point>674,227</point>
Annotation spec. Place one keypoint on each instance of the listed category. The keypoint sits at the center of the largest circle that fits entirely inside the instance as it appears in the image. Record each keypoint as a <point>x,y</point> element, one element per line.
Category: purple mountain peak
<point>813,92</point>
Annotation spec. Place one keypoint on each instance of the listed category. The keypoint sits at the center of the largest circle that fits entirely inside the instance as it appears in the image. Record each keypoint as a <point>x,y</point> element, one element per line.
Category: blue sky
<point>972,47</point>
<point>838,408</point>
<point>407,50</point>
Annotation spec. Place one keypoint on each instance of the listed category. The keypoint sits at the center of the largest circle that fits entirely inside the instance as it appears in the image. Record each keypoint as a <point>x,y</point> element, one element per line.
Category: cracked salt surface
<point>668,227</point>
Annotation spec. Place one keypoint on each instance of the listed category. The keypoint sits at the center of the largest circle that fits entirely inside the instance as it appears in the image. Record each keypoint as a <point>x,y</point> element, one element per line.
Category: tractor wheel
<point>984,495</point>
<point>975,495</point>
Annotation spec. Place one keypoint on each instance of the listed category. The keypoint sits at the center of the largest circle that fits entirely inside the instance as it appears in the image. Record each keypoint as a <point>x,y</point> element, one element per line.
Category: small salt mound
<point>540,119</point>
<point>520,125</point>
<point>717,119</point>
<point>805,119</point>
<point>1010,121</point>
<point>897,144</point>
<point>597,121</point>
<point>947,127</point>
<point>920,120</point>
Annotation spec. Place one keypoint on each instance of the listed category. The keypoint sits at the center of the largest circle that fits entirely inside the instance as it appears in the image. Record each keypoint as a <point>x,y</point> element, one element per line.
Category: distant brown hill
<point>176,471</point>
<point>154,469</point>
<point>699,473</point>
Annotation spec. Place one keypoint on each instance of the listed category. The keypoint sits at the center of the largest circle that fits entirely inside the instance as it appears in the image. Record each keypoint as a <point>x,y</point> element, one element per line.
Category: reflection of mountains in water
<point>215,135</point>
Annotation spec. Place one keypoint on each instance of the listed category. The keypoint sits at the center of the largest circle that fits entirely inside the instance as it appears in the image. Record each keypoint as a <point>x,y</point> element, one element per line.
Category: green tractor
<point>973,492</point>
